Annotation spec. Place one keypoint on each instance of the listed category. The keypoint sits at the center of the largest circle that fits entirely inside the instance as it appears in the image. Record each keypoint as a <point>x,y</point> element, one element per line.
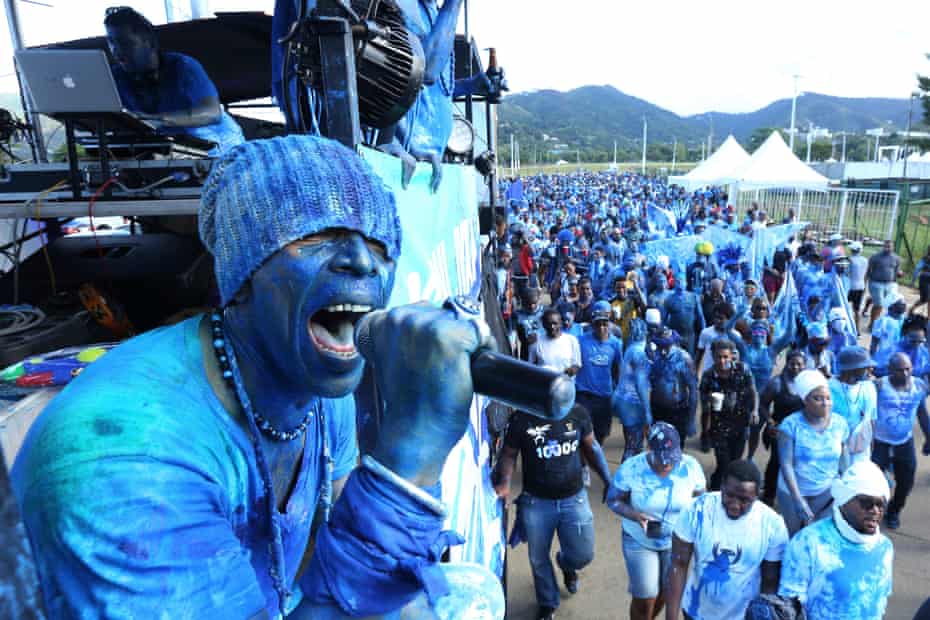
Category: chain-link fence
<point>854,213</point>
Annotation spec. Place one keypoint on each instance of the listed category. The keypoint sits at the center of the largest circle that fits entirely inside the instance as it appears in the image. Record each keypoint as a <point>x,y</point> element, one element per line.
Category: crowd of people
<point>706,348</point>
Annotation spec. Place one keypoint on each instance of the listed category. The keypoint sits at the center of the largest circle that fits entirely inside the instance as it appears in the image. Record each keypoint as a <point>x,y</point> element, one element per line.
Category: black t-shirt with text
<point>550,452</point>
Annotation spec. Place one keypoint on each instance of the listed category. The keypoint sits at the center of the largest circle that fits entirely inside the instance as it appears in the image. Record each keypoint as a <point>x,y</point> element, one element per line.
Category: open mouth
<point>332,328</point>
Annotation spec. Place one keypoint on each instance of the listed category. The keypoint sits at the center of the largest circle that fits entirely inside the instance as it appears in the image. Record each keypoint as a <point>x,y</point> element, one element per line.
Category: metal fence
<point>865,214</point>
<point>915,231</point>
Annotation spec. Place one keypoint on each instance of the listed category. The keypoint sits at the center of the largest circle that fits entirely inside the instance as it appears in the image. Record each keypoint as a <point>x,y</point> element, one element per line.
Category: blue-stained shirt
<point>661,498</point>
<point>836,579</point>
<point>598,360</point>
<point>816,452</point>
<point>635,362</point>
<point>182,85</point>
<point>725,572</point>
<point>897,410</point>
<point>856,403</point>
<point>142,498</point>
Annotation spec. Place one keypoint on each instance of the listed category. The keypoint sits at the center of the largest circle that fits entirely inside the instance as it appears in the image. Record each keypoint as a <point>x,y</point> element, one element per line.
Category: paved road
<point>603,593</point>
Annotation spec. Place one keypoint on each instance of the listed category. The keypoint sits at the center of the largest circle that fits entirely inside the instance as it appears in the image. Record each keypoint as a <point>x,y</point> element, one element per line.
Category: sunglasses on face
<point>868,503</point>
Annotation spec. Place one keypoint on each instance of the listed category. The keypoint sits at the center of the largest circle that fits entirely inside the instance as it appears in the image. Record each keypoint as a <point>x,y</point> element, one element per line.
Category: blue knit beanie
<point>264,194</point>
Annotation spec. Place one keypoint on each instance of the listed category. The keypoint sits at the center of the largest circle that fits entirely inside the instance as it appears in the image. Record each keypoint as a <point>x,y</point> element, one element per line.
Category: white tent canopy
<point>717,169</point>
<point>773,165</point>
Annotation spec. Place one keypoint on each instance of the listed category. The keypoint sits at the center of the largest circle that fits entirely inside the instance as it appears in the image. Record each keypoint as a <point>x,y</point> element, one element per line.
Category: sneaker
<point>892,520</point>
<point>569,576</point>
<point>546,613</point>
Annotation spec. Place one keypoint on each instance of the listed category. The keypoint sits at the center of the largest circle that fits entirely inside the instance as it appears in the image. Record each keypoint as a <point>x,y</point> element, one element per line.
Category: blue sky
<point>686,56</point>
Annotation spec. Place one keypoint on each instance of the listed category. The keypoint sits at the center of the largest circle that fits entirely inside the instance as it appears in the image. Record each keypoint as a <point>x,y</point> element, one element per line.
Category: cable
<point>19,248</point>
<point>17,319</point>
<point>90,212</point>
<point>178,177</point>
<point>44,237</point>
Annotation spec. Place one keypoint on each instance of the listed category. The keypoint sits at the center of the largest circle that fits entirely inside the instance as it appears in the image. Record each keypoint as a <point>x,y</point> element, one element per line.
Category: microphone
<point>539,391</point>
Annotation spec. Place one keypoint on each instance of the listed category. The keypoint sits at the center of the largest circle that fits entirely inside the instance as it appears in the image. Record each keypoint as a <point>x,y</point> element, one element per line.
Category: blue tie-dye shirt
<point>662,499</point>
<point>897,410</point>
<point>142,498</point>
<point>834,578</point>
<point>816,452</point>
<point>726,567</point>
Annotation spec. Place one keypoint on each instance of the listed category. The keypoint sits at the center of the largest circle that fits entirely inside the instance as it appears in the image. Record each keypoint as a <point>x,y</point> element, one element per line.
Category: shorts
<point>648,569</point>
<point>855,299</point>
<point>882,293</point>
<point>599,408</point>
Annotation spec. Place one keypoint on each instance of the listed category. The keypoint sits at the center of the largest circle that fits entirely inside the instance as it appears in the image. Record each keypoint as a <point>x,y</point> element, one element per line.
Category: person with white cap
<point>901,398</point>
<point>816,354</point>
<point>886,333</point>
<point>839,331</point>
<point>841,568</point>
<point>854,398</point>
<point>858,265</point>
<point>812,448</point>
<point>832,250</point>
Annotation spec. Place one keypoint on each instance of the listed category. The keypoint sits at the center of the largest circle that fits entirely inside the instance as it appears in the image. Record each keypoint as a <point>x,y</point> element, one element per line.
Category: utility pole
<point>702,150</point>
<point>615,153</point>
<point>32,117</point>
<point>645,126</point>
<point>674,153</point>
<point>710,135</point>
<point>794,107</point>
<point>810,139</point>
<point>843,158</point>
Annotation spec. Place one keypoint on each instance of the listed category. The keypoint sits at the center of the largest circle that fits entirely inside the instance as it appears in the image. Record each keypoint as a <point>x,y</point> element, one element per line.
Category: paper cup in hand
<point>716,401</point>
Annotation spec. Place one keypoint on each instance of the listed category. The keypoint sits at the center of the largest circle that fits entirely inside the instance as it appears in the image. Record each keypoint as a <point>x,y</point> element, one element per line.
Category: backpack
<point>774,607</point>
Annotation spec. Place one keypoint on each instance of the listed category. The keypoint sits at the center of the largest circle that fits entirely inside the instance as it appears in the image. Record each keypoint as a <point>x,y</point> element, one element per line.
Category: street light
<point>794,107</point>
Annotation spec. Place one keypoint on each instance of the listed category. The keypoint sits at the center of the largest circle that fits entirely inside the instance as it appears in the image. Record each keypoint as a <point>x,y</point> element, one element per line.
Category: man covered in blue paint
<point>681,311</point>
<point>630,401</point>
<point>841,568</point>
<point>167,89</point>
<point>194,471</point>
<point>726,548</point>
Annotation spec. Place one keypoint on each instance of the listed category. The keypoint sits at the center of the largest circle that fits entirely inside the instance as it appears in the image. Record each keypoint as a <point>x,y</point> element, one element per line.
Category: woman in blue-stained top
<point>649,491</point>
<point>170,90</point>
<point>812,446</point>
<point>840,568</point>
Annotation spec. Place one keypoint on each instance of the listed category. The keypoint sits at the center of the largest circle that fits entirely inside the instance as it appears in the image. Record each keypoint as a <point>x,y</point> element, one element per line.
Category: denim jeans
<point>542,518</point>
<point>904,459</point>
<point>647,569</point>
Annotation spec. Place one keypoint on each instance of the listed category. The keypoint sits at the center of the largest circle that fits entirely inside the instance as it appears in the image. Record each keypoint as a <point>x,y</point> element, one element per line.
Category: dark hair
<point>724,344</point>
<point>125,16</point>
<point>552,311</point>
<point>744,471</point>
<point>795,353</point>
<point>914,322</point>
<point>584,279</point>
<point>724,310</point>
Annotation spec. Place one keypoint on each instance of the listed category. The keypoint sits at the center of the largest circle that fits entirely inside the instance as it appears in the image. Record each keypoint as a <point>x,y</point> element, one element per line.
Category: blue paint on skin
<point>682,312</point>
<point>283,365</point>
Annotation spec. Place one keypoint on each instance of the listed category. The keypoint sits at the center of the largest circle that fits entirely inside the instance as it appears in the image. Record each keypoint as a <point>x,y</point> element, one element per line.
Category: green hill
<point>553,124</point>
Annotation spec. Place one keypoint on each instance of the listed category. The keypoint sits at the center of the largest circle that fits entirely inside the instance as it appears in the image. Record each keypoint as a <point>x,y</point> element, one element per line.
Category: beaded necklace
<point>225,356</point>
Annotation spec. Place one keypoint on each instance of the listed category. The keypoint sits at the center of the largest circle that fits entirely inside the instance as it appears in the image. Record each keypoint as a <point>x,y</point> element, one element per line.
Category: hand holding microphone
<point>428,362</point>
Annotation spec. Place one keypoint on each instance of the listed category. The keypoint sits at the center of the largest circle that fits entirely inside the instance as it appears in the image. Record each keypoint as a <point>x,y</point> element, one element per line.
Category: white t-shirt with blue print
<point>834,578</point>
<point>662,499</point>
<point>897,410</point>
<point>726,566</point>
<point>816,452</point>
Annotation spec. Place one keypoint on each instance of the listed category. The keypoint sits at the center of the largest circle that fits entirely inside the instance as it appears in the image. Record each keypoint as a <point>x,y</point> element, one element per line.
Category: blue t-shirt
<point>855,403</point>
<point>816,453</point>
<point>182,84</point>
<point>141,495</point>
<point>725,572</point>
<point>598,360</point>
<point>897,410</point>
<point>836,579</point>
<point>662,499</point>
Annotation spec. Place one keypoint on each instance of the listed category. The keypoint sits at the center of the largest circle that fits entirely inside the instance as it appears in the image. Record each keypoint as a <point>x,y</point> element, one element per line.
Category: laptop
<point>69,81</point>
